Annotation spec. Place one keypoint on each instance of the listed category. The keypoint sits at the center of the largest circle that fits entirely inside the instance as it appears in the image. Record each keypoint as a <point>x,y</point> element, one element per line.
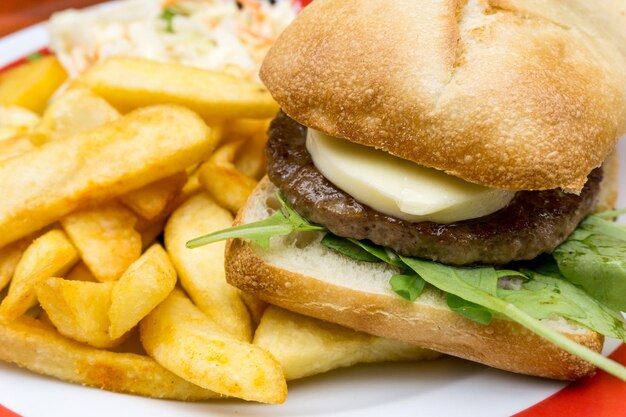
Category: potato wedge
<point>31,85</point>
<point>52,254</point>
<point>237,129</point>
<point>10,255</point>
<point>151,200</point>
<point>182,339</point>
<point>221,179</point>
<point>80,272</point>
<point>43,185</point>
<point>305,346</point>
<point>129,83</point>
<point>201,270</point>
<point>150,231</point>
<point>106,238</point>
<point>17,145</point>
<point>16,121</point>
<point>33,346</point>
<point>144,285</point>
<point>78,309</point>
<point>75,111</point>
<point>250,160</point>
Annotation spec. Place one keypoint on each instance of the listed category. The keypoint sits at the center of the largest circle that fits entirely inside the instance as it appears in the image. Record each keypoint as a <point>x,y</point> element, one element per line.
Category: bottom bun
<point>299,274</point>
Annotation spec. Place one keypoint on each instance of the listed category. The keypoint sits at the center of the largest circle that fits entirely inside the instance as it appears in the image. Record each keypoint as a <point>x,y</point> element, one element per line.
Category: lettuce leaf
<point>594,257</point>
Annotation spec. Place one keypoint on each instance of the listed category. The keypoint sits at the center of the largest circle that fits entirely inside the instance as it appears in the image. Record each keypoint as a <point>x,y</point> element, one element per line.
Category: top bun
<point>513,94</point>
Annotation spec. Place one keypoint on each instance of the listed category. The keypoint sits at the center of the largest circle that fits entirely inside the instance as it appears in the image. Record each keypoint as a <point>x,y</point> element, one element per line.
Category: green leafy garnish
<point>347,248</point>
<point>468,309</point>
<point>409,287</point>
<point>594,257</point>
<point>282,223</point>
<point>168,15</point>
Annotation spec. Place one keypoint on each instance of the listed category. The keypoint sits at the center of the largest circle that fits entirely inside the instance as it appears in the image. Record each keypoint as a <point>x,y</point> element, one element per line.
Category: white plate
<point>445,387</point>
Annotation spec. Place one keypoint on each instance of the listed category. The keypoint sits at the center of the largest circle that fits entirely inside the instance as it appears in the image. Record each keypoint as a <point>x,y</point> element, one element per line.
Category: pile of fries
<point>102,187</point>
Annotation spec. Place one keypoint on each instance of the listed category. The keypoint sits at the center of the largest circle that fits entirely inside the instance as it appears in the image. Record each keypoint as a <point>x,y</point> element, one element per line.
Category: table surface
<point>18,14</point>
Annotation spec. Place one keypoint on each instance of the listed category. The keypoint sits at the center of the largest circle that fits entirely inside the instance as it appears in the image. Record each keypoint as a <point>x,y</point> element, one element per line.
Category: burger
<point>435,176</point>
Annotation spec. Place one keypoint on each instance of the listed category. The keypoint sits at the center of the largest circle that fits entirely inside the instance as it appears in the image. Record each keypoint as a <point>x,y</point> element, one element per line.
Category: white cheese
<point>399,187</point>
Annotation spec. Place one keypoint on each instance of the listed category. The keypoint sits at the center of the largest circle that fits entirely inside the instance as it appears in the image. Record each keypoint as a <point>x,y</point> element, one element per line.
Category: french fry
<point>31,85</point>
<point>16,121</point>
<point>78,309</point>
<point>75,111</point>
<point>15,146</point>
<point>106,238</point>
<point>52,254</point>
<point>182,339</point>
<point>80,272</point>
<point>250,159</point>
<point>237,129</point>
<point>256,306</point>
<point>305,346</point>
<point>191,188</point>
<point>221,179</point>
<point>41,186</point>
<point>151,200</point>
<point>201,270</point>
<point>10,255</point>
<point>33,346</point>
<point>150,231</point>
<point>129,83</point>
<point>145,284</point>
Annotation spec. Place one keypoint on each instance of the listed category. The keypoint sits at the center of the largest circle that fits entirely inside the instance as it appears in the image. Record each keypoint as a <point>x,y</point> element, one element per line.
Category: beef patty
<point>534,222</point>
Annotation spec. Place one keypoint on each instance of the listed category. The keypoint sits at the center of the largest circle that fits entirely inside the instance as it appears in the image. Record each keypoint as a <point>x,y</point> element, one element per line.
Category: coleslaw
<point>221,35</point>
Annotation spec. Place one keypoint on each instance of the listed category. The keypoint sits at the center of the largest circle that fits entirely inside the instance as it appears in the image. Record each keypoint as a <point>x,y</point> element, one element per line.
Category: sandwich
<point>440,173</point>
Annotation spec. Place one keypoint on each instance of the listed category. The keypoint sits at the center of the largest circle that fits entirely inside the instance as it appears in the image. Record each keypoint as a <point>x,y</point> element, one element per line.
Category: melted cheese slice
<point>399,187</point>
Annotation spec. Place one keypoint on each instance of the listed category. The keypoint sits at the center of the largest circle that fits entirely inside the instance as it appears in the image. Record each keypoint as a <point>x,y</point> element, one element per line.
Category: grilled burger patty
<point>534,222</point>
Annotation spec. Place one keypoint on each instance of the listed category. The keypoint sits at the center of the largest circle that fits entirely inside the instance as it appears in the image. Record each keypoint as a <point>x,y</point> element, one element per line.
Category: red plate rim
<point>601,395</point>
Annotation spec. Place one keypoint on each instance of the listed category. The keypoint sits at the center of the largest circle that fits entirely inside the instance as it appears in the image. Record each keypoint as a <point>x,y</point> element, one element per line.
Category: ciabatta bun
<point>299,274</point>
<point>513,94</point>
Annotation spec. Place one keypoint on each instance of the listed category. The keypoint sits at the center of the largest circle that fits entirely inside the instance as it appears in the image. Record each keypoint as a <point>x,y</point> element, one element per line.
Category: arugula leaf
<point>522,308</point>
<point>612,214</point>
<point>347,248</point>
<point>281,223</point>
<point>409,287</point>
<point>381,253</point>
<point>594,257</point>
<point>468,309</point>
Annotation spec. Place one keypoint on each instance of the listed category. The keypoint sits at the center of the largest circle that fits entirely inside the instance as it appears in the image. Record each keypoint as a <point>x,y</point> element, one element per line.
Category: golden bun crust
<point>522,95</point>
<point>427,322</point>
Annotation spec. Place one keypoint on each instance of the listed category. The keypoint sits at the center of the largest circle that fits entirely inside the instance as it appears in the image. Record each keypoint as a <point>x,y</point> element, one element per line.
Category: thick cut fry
<point>17,145</point>
<point>145,284</point>
<point>80,272</point>
<point>151,200</point>
<point>201,270</point>
<point>31,85</point>
<point>10,255</point>
<point>33,346</point>
<point>182,339</point>
<point>150,231</point>
<point>43,185</point>
<point>49,255</point>
<point>237,129</point>
<point>75,111</point>
<point>129,83</point>
<point>305,346</point>
<point>255,305</point>
<point>220,177</point>
<point>250,159</point>
<point>191,188</point>
<point>106,238</point>
<point>15,121</point>
<point>78,309</point>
